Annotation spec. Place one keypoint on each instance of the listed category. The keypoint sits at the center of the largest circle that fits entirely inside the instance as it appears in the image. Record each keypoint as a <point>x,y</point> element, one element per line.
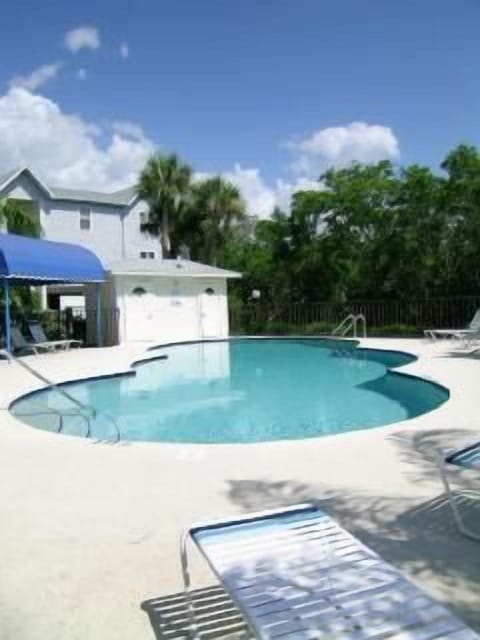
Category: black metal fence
<point>384,317</point>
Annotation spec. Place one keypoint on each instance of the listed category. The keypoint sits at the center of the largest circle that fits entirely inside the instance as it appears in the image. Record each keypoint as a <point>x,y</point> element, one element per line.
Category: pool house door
<point>209,312</point>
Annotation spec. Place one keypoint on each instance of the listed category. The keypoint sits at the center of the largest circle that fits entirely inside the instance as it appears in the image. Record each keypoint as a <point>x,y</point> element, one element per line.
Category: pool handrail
<point>351,322</point>
<point>52,385</point>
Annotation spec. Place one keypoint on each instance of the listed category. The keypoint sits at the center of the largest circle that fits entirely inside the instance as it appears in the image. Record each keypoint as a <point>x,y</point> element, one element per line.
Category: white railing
<point>351,322</point>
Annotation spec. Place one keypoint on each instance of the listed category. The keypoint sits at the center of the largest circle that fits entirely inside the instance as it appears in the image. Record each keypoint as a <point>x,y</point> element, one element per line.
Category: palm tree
<point>165,185</point>
<point>219,205</point>
<point>18,219</point>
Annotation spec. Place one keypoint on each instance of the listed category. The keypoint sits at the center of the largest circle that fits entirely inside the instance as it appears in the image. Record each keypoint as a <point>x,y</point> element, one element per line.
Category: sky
<point>268,93</point>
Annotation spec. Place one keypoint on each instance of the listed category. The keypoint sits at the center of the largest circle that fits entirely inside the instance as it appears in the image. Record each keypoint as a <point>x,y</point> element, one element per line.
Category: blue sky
<point>239,86</point>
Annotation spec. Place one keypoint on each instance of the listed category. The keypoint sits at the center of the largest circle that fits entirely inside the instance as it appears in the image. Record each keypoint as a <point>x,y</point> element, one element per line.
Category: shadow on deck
<point>215,614</point>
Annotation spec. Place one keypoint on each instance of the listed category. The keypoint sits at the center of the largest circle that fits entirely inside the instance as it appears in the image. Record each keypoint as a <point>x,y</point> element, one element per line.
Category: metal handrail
<point>345,324</point>
<point>83,407</point>
<point>360,317</point>
<point>351,322</point>
<point>113,421</point>
<point>60,414</point>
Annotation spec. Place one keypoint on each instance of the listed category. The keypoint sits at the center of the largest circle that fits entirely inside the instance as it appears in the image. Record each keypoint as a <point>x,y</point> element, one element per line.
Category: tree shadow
<point>420,451</point>
<point>215,614</point>
<point>419,539</point>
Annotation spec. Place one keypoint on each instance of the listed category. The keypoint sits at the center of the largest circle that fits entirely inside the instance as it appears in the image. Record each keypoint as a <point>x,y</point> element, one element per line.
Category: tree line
<point>371,231</point>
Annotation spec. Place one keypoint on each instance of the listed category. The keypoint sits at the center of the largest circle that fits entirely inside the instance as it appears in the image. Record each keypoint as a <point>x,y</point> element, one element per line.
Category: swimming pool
<point>242,390</point>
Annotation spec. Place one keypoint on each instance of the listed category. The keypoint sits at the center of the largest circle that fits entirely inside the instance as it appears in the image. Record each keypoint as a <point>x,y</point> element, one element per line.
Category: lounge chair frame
<point>454,458</point>
<point>20,345</point>
<point>295,574</point>
<point>467,335</point>
<point>38,334</point>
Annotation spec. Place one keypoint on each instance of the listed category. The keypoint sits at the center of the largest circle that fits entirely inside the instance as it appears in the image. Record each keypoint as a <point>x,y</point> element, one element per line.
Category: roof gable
<point>169,267</point>
<point>12,176</point>
<point>121,198</point>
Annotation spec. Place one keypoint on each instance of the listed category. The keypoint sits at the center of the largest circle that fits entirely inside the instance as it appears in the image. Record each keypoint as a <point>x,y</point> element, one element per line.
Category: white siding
<point>115,231</point>
<point>137,241</point>
<point>23,188</point>
<point>61,222</point>
<point>169,311</point>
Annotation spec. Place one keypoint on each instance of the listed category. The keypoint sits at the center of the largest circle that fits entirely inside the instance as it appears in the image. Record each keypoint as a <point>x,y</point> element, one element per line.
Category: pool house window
<point>147,255</point>
<point>143,215</point>
<point>85,218</point>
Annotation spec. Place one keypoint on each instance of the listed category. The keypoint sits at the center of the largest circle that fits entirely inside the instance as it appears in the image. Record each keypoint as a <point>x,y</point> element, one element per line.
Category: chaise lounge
<point>469,333</point>
<point>38,335</point>
<point>295,574</point>
<point>21,346</point>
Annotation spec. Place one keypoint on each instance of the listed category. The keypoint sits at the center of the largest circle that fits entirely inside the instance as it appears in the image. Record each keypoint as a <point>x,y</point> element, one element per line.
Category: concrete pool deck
<point>90,531</point>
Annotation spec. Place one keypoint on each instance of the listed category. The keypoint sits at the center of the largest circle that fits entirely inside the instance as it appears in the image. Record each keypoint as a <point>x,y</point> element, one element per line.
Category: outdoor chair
<point>38,334</point>
<point>20,345</point>
<point>465,458</point>
<point>295,574</point>
<point>470,333</point>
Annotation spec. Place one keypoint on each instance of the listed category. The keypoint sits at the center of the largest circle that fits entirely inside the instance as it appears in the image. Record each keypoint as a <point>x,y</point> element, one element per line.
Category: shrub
<point>395,330</point>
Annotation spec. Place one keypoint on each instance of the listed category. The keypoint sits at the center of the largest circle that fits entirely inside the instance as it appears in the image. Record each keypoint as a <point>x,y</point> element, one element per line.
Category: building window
<point>85,218</point>
<point>143,215</point>
<point>147,255</point>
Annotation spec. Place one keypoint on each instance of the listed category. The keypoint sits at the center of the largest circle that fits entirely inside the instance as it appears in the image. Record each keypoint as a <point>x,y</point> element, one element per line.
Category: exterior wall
<point>135,239</point>
<point>115,230</point>
<point>61,222</point>
<point>170,310</point>
<point>23,188</point>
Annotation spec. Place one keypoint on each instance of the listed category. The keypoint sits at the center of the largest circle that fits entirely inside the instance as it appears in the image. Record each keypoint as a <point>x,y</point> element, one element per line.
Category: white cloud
<point>84,37</point>
<point>65,149</point>
<point>37,78</point>
<point>129,129</point>
<point>81,74</point>
<point>284,190</point>
<point>124,50</point>
<point>340,146</point>
<point>261,198</point>
<point>334,146</point>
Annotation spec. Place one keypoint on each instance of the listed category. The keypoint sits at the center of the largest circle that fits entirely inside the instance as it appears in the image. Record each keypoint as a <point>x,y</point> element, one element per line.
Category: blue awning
<point>31,260</point>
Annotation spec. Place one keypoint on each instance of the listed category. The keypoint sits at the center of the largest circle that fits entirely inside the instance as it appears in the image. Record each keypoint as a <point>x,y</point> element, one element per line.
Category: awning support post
<point>6,317</point>
<point>99,314</point>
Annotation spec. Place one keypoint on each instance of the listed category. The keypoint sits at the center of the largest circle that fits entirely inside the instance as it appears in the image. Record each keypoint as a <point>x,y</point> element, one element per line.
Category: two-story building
<point>156,298</point>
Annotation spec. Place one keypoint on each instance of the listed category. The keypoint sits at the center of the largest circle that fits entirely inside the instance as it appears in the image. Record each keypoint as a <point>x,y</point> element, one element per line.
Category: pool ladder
<point>349,323</point>
<point>86,412</point>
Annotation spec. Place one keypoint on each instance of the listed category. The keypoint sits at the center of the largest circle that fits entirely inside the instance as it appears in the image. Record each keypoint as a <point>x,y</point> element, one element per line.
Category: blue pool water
<point>242,391</point>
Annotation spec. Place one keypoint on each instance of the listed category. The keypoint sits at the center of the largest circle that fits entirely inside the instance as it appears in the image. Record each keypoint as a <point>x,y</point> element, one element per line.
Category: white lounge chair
<point>295,574</point>
<point>466,458</point>
<point>38,334</point>
<point>469,333</point>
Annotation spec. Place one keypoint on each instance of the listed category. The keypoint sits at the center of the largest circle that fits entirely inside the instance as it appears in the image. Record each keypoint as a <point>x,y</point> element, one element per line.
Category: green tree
<point>461,207</point>
<point>165,184</point>
<point>18,218</point>
<point>216,208</point>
